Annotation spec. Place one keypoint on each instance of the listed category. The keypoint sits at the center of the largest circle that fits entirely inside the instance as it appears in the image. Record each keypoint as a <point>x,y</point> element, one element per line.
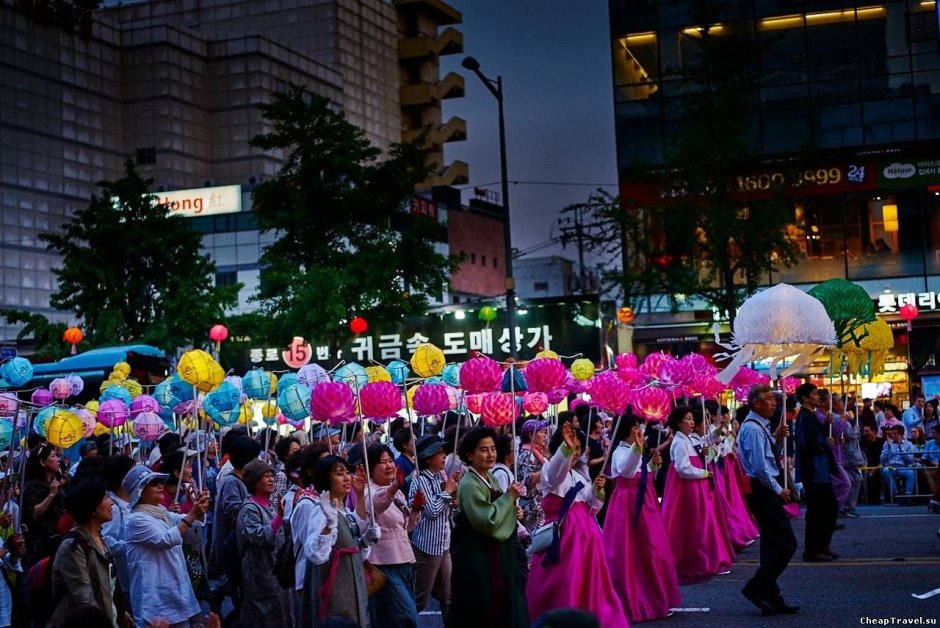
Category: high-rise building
<point>859,83</point>
<point>175,85</point>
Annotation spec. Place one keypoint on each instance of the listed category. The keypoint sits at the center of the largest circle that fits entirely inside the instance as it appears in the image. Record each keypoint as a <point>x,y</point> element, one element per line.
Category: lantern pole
<point>370,507</point>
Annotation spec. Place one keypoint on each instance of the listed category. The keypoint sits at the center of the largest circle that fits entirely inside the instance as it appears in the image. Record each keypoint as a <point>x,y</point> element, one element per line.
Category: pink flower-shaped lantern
<point>544,374</point>
<point>379,400</point>
<point>480,375</point>
<point>652,403</point>
<point>610,392</point>
<point>498,409</point>
<point>535,402</point>
<point>334,402</point>
<point>431,399</point>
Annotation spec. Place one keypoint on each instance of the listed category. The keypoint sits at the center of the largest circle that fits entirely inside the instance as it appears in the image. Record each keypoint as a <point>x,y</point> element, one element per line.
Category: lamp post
<point>496,88</point>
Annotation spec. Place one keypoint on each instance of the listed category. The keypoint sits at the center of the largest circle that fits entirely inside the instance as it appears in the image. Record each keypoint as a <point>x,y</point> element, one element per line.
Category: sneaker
<point>848,512</point>
<point>724,572</point>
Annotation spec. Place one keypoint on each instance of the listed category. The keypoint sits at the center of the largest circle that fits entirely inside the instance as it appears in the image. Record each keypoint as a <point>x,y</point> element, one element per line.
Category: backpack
<point>40,601</point>
<point>285,558</point>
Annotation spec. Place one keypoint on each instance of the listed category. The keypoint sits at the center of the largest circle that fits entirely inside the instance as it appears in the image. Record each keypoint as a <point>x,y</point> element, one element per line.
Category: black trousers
<point>822,511</point>
<point>777,541</point>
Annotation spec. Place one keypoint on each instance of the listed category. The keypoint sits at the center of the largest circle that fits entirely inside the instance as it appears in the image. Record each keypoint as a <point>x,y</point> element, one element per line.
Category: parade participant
<point>431,537</point>
<point>43,501</point>
<point>285,448</point>
<point>160,585</point>
<point>759,452</point>
<point>486,586</point>
<point>114,531</point>
<point>333,543</point>
<point>231,495</point>
<point>81,572</point>
<point>700,547</point>
<point>264,601</point>
<point>815,467</point>
<point>852,460</point>
<point>178,493</point>
<point>642,567</point>
<point>841,482</point>
<point>573,572</point>
<point>531,459</point>
<point>740,526</point>
<point>405,462</point>
<point>394,604</point>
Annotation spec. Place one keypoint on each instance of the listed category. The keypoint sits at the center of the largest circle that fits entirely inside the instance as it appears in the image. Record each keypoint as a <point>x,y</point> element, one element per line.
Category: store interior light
<point>824,17</point>
<point>889,214</point>
<point>696,31</point>
<point>460,315</point>
<point>639,39</point>
<point>522,311</point>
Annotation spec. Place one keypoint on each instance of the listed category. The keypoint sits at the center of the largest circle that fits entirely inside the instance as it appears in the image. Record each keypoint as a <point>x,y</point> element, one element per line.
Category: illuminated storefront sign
<point>890,302</point>
<point>226,199</point>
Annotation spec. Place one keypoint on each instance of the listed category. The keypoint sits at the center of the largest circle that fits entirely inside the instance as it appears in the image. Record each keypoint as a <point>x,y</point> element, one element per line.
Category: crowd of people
<point>585,513</point>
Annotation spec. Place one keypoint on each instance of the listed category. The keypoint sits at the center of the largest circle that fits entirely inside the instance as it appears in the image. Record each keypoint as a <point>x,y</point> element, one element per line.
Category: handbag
<point>548,536</point>
<point>375,579</point>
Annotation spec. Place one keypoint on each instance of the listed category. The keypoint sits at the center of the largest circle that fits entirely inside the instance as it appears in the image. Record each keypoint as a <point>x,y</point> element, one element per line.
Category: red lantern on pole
<point>909,312</point>
<point>358,325</point>
<point>218,333</point>
<point>73,336</point>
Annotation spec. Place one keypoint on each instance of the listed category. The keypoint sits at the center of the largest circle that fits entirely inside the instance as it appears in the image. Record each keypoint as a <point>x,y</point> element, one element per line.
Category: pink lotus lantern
<point>609,392</point>
<point>333,401</point>
<point>652,364</point>
<point>625,361</point>
<point>88,422</point>
<point>544,374</point>
<point>675,373</point>
<point>696,361</point>
<point>144,403</point>
<point>576,386</point>
<point>557,395</point>
<point>41,397</point>
<point>148,425</point>
<point>112,413</point>
<point>578,402</point>
<point>633,378</point>
<point>789,384</point>
<point>60,388</point>
<point>652,403</point>
<point>379,400</point>
<point>498,409</point>
<point>480,375</point>
<point>430,399</point>
<point>8,404</point>
<point>474,402</point>
<point>535,402</point>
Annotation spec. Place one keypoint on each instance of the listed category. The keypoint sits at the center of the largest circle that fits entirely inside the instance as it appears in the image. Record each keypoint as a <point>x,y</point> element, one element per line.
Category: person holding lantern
<point>486,585</point>
<point>572,572</point>
<point>531,460</point>
<point>642,567</point>
<point>700,546</point>
<point>43,500</point>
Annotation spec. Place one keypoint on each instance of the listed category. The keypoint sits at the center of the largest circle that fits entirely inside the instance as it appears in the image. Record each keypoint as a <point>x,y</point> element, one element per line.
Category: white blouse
<point>626,461</point>
<point>307,522</point>
<point>681,452</point>
<point>558,477</point>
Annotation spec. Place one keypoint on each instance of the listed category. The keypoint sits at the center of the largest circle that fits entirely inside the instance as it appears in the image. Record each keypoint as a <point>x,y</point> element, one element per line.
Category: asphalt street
<point>888,554</point>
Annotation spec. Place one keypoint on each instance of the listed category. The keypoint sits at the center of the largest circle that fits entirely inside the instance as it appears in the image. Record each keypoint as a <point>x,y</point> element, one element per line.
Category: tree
<point>346,244</point>
<point>46,334</point>
<point>133,273</point>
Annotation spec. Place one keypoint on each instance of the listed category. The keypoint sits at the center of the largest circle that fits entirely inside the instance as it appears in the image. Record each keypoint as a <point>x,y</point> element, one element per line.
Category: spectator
<point>931,460</point>
<point>329,437</point>
<point>165,444</point>
<point>914,415</point>
<point>918,438</point>
<point>43,501</point>
<point>160,585</point>
<point>264,602</point>
<point>114,531</point>
<point>87,449</point>
<point>896,453</point>
<point>872,445</point>
<point>178,494</point>
<point>867,415</point>
<point>596,446</point>
<point>81,572</point>
<point>890,419</point>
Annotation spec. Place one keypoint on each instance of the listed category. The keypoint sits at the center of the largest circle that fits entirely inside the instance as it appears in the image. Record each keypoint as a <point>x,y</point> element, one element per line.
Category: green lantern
<point>487,314</point>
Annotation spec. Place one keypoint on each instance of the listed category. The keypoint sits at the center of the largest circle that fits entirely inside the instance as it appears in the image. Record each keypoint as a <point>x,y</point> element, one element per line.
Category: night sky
<point>554,57</point>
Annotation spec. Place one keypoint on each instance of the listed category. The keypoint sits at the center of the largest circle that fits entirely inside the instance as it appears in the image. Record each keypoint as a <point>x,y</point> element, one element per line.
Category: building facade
<point>856,83</point>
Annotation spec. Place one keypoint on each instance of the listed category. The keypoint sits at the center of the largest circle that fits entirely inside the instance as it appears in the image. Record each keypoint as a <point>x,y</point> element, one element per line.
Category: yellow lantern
<point>245,414</point>
<point>378,374</point>
<point>198,368</point>
<point>582,369</point>
<point>625,315</point>
<point>100,429</point>
<point>269,409</point>
<point>547,353</point>
<point>411,396</point>
<point>123,368</point>
<point>428,361</point>
<point>64,429</point>
<point>92,407</point>
<point>133,387</point>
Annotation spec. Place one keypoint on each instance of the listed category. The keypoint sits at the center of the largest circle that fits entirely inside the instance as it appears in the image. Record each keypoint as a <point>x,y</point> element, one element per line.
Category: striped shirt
<point>432,534</point>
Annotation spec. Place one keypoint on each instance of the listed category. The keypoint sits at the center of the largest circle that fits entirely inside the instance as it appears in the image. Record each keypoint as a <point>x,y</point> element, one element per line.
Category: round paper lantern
<point>351,374</point>
<point>116,392</point>
<point>245,414</point>
<point>498,409</point>
<point>41,397</point>
<point>73,335</point>
<point>625,361</point>
<point>358,325</point>
<point>582,369</point>
<point>480,375</point>
<point>287,379</point>
<point>378,374</point>
<point>633,378</point>
<point>652,403</point>
<point>557,395</point>
<point>112,413</point>
<point>428,360</point>
<point>625,315</point>
<point>487,314</point>
<point>149,426</point>
<point>234,380</point>
<point>60,388</point>
<point>575,386</point>
<point>6,433</point>
<point>76,383</point>
<point>609,392</point>
<point>909,312</point>
<point>535,402</point>
<point>380,400</point>
<point>294,402</point>
<point>144,403</point>
<point>332,401</point>
<point>17,372</point>
<point>258,384</point>
<point>64,429</point>
<point>451,374</point>
<point>696,362</point>
<point>8,404</point>
<point>198,368</point>
<point>474,403</point>
<point>88,421</point>
<point>225,398</point>
<point>547,353</point>
<point>431,399</point>
<point>545,374</point>
<point>399,371</point>
<point>312,375</point>
<point>123,368</point>
<point>171,392</point>
<point>218,333</point>
<point>513,381</point>
<point>42,418</point>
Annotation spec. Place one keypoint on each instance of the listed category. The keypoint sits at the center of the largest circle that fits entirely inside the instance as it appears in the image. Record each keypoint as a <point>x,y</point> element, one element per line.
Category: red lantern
<point>218,333</point>
<point>73,336</point>
<point>909,312</point>
<point>358,325</point>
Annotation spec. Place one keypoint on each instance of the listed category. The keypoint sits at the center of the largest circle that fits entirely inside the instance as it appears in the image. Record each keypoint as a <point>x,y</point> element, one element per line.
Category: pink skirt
<point>640,559</point>
<point>581,579</point>
<point>699,546</point>
<point>740,526</point>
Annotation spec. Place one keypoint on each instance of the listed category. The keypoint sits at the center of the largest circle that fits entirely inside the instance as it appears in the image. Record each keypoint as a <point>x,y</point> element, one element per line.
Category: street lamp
<point>496,88</point>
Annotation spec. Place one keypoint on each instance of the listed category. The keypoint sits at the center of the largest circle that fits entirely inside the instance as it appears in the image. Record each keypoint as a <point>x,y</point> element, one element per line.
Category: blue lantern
<point>354,375</point>
<point>6,433</point>
<point>294,402</point>
<point>399,370</point>
<point>172,391</point>
<point>434,380</point>
<point>43,417</point>
<point>117,392</point>
<point>287,379</point>
<point>518,383</point>
<point>451,375</point>
<point>17,372</point>
<point>256,384</point>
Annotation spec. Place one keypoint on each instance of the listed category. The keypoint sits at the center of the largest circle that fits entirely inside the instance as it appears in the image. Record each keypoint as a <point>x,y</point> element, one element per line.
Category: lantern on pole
<point>218,333</point>
<point>73,336</point>
<point>909,312</point>
<point>358,325</point>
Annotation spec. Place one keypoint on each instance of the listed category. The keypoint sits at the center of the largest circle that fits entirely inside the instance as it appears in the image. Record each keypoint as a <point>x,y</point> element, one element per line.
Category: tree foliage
<point>46,334</point>
<point>346,244</point>
<point>133,273</point>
